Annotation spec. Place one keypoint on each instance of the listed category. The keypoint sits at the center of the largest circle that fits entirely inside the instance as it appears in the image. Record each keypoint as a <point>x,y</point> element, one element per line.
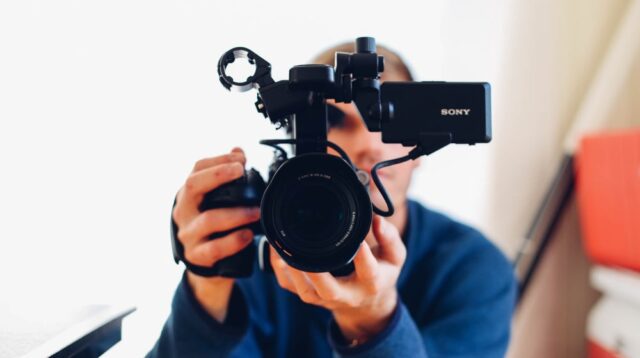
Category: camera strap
<point>238,265</point>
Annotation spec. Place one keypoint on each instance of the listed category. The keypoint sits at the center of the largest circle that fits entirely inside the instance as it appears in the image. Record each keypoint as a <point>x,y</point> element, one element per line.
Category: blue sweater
<point>456,296</point>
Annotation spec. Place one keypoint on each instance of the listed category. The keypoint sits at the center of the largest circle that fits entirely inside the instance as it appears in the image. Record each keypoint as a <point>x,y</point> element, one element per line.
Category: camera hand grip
<point>245,191</point>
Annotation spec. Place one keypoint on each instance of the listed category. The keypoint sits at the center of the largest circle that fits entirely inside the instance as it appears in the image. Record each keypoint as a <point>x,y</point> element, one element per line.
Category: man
<point>424,285</point>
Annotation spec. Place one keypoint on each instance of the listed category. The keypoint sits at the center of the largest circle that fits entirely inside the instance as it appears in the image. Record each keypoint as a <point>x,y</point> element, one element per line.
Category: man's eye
<point>335,116</point>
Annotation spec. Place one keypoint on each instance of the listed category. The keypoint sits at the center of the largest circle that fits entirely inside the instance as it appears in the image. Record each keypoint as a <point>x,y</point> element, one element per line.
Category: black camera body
<point>315,207</point>
<point>461,109</point>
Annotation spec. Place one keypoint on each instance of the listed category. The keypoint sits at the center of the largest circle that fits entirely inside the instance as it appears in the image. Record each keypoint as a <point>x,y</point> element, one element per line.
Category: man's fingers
<point>199,184</point>
<point>217,220</point>
<point>391,247</point>
<point>371,239</point>
<point>205,180</point>
<point>293,280</point>
<point>304,288</point>
<point>366,265</point>
<point>327,287</point>
<point>236,155</point>
<point>280,271</point>
<point>212,251</point>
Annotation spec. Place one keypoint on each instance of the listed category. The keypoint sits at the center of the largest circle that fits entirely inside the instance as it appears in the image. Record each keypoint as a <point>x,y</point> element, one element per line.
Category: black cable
<point>413,154</point>
<point>275,146</point>
<point>342,153</point>
<point>273,142</point>
<point>383,192</point>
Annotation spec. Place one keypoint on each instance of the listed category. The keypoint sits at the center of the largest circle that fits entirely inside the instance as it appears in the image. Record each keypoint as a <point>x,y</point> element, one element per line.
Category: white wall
<point>552,52</point>
<point>104,107</point>
<point>456,179</point>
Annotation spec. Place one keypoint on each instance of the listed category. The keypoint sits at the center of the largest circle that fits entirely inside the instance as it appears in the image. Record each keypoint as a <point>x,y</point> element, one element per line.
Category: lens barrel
<point>316,212</point>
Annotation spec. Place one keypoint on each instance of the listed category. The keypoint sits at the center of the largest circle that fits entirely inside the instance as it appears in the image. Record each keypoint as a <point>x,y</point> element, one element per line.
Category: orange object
<point>594,350</point>
<point>607,170</point>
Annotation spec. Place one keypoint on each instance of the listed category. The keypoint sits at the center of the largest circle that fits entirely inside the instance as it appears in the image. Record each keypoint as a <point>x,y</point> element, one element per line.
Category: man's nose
<point>367,147</point>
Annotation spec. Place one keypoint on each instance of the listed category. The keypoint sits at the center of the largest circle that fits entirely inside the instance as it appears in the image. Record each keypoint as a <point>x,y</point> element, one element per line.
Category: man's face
<point>367,149</point>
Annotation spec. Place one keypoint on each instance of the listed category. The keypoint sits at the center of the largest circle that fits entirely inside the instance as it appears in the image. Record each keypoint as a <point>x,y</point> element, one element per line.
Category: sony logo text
<point>455,111</point>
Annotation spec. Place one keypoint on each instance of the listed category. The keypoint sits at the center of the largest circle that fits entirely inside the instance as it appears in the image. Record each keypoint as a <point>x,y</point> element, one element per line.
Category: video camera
<point>315,207</point>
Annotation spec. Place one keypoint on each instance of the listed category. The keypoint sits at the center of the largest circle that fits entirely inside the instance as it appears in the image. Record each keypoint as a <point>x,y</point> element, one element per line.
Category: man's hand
<point>363,302</point>
<point>194,228</point>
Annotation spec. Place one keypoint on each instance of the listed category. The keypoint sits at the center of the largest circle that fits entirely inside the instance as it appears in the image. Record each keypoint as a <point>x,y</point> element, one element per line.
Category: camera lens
<point>315,212</point>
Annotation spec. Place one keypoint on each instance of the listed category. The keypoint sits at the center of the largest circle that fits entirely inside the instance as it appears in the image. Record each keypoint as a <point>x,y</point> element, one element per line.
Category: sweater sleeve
<point>473,305</point>
<point>470,316</point>
<point>191,332</point>
<point>401,338</point>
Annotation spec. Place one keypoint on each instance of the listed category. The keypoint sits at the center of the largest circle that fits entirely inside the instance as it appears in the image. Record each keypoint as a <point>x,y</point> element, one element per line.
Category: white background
<point>105,106</point>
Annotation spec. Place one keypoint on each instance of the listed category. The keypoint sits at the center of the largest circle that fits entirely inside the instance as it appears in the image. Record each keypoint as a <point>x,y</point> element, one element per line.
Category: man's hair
<point>392,61</point>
